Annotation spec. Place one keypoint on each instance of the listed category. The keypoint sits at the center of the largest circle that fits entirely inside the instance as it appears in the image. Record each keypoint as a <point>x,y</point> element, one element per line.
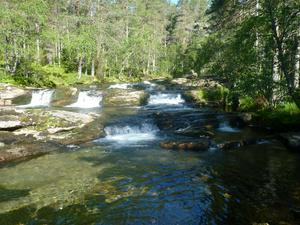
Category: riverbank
<point>282,121</point>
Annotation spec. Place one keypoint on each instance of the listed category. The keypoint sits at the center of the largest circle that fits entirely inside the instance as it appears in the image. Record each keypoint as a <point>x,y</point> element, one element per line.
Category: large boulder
<point>124,97</point>
<point>201,145</point>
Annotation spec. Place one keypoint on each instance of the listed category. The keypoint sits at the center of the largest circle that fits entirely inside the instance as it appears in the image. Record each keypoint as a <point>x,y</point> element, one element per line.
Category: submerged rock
<point>228,145</point>
<point>189,146</point>
<point>291,140</point>
<point>24,150</point>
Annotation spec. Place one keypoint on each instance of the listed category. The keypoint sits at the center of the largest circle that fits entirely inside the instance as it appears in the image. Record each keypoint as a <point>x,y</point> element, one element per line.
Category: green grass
<point>5,78</point>
<point>285,116</point>
<point>218,95</point>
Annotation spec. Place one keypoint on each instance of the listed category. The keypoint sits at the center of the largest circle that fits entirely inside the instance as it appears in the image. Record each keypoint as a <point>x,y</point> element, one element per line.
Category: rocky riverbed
<point>27,130</point>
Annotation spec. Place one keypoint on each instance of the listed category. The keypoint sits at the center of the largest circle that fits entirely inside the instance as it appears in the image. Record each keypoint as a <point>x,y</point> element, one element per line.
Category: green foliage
<point>218,95</point>
<point>247,104</point>
<point>285,116</point>
<point>6,78</point>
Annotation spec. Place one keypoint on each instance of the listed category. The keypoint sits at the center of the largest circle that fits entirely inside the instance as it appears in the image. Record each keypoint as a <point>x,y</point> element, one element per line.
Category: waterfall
<point>86,100</point>
<point>225,127</point>
<point>131,133</point>
<point>166,99</point>
<point>40,98</point>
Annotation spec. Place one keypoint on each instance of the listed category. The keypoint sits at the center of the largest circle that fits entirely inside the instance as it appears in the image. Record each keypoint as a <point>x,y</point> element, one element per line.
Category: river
<point>127,178</point>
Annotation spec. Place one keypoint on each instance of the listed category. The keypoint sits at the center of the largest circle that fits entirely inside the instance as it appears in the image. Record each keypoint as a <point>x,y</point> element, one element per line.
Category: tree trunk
<point>281,57</point>
<point>7,66</point>
<point>93,68</point>
<point>276,79</point>
<point>38,50</point>
<point>154,63</point>
<point>297,64</point>
<point>59,53</point>
<point>79,68</point>
<point>15,58</point>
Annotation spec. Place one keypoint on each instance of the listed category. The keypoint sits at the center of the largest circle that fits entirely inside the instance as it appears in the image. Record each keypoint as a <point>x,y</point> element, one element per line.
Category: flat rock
<point>12,122</point>
<point>126,97</point>
<point>11,92</point>
<point>72,117</point>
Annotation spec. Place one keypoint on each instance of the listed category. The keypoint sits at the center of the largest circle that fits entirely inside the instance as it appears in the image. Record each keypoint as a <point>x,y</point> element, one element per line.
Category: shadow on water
<point>8,195</point>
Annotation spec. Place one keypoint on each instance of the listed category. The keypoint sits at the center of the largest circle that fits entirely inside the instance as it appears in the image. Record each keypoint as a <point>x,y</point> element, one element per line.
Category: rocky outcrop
<point>12,122</point>
<point>64,96</point>
<point>125,97</point>
<point>28,132</point>
<point>188,82</point>
<point>8,93</point>
<point>186,145</point>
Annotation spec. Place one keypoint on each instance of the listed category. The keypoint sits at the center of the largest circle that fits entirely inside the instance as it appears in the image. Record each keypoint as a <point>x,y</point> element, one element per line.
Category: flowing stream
<point>127,178</point>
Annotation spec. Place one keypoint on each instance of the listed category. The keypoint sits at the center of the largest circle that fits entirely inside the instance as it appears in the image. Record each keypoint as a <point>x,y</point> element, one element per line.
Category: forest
<point>252,46</point>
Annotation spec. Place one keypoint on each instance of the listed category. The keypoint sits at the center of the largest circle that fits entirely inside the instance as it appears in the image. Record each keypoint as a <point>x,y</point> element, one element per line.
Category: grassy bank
<point>283,117</point>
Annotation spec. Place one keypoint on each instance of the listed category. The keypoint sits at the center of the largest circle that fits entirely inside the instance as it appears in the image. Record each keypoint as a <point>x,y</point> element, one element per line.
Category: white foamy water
<point>40,98</point>
<point>166,99</point>
<point>149,86</point>
<point>225,127</point>
<point>86,100</point>
<point>129,134</point>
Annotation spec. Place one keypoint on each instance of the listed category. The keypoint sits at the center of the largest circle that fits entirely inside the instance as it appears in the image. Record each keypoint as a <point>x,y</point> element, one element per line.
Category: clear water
<point>126,178</point>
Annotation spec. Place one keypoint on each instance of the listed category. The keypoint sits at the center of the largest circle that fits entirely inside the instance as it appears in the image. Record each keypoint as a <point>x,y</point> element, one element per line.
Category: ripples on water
<point>109,182</point>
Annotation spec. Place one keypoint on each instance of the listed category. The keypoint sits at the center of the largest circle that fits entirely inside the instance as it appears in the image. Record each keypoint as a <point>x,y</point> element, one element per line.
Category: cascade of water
<point>166,99</point>
<point>40,98</point>
<point>86,100</point>
<point>225,127</point>
<point>131,133</point>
